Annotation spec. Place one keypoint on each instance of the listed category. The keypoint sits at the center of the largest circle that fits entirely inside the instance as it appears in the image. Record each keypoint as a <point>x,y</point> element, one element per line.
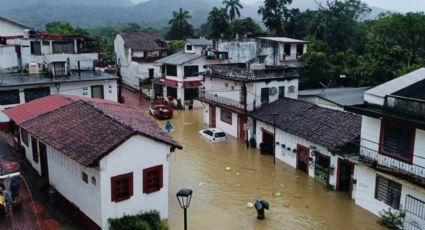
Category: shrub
<point>144,221</point>
<point>392,219</point>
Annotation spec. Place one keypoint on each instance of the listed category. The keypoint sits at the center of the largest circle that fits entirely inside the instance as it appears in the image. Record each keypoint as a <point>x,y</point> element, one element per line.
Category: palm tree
<point>218,21</point>
<point>180,27</point>
<point>233,6</point>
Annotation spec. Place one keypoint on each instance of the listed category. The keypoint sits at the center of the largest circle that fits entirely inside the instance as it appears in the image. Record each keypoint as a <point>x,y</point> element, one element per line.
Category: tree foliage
<point>233,7</point>
<point>180,27</point>
<point>244,26</point>
<point>144,221</point>
<point>273,13</point>
<point>64,28</point>
<point>218,22</point>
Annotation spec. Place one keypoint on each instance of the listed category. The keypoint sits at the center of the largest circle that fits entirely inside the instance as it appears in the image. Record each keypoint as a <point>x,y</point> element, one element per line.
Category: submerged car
<point>213,134</point>
<point>161,110</point>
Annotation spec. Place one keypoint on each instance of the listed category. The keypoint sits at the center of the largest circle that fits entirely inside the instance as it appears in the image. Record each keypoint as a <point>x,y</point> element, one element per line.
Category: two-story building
<point>232,90</point>
<point>390,170</point>
<point>136,53</point>
<point>182,72</point>
<point>272,51</point>
<point>105,159</point>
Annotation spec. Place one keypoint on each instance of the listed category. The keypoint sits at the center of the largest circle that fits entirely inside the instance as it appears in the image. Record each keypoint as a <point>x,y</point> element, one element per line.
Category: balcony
<point>229,103</point>
<point>405,105</point>
<point>236,72</point>
<point>409,172</point>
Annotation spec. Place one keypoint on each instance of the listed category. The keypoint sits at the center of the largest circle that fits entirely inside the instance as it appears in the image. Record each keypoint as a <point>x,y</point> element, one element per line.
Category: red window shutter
<point>145,181</point>
<point>161,178</point>
<point>130,182</point>
<point>113,190</point>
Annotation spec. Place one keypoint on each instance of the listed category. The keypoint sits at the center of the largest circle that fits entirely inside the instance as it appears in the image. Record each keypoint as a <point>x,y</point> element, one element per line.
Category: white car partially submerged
<point>213,134</point>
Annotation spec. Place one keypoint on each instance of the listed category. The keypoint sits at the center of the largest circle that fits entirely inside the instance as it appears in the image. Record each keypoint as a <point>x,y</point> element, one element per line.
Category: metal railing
<point>410,106</point>
<point>221,100</point>
<point>251,74</point>
<point>410,172</point>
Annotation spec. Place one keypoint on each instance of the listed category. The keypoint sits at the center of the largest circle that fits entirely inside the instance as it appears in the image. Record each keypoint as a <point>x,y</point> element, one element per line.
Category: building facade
<point>136,53</point>
<point>390,170</point>
<point>183,72</point>
<point>10,28</point>
<point>104,177</point>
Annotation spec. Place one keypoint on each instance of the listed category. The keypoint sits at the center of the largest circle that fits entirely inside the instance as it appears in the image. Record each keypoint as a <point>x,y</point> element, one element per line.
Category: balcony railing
<point>221,100</point>
<point>405,105</point>
<point>251,74</point>
<point>410,172</point>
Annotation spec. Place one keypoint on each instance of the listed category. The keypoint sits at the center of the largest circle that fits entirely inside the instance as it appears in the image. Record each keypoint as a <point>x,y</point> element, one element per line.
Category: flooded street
<point>220,197</point>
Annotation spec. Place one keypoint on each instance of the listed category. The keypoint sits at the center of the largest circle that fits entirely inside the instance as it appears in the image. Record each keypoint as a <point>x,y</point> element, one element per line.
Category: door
<point>97,91</point>
<point>415,213</point>
<point>43,161</point>
<point>151,73</point>
<point>241,126</point>
<point>345,172</point>
<point>267,145</point>
<point>212,116</point>
<point>303,158</point>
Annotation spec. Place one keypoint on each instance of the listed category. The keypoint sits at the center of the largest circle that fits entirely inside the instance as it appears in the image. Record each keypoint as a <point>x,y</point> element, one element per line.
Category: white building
<point>310,138</point>
<point>391,166</point>
<point>105,158</point>
<point>272,51</point>
<point>9,28</point>
<point>183,70</point>
<point>136,53</point>
<point>232,90</point>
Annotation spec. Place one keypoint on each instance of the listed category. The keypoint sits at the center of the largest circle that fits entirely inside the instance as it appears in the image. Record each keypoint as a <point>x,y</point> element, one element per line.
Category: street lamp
<point>184,196</point>
<point>274,136</point>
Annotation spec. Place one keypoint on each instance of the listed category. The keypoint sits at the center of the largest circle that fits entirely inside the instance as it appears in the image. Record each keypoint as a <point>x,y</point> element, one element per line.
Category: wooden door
<point>303,158</point>
<point>43,160</point>
<point>344,176</point>
<point>241,126</point>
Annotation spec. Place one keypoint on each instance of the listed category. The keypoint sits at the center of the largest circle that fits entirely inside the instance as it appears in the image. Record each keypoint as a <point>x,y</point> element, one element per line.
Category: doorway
<point>267,146</point>
<point>303,158</point>
<point>212,116</point>
<point>43,160</point>
<point>345,173</point>
<point>151,73</point>
<point>241,126</point>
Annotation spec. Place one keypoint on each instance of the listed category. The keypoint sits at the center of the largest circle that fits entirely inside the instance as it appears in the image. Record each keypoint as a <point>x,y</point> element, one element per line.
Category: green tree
<point>180,27</point>
<point>218,21</point>
<point>64,28</point>
<point>316,69</point>
<point>273,13</point>
<point>233,7</point>
<point>245,26</point>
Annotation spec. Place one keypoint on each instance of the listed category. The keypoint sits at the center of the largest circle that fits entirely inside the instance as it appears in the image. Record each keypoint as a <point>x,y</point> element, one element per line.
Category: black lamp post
<point>274,136</point>
<point>184,196</point>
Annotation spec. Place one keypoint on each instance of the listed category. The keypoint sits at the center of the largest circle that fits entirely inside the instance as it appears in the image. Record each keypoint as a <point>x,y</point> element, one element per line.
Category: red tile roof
<point>37,107</point>
<point>88,129</point>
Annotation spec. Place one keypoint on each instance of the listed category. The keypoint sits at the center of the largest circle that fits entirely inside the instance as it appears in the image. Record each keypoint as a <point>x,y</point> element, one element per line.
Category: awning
<point>192,84</point>
<point>168,82</point>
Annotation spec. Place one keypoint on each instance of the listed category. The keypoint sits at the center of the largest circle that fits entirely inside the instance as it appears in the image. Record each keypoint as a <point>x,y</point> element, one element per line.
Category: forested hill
<point>90,13</point>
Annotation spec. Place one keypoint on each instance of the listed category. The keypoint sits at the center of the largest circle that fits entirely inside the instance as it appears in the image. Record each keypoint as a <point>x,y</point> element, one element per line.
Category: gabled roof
<point>284,40</point>
<point>141,41</point>
<point>342,96</point>
<point>87,129</point>
<point>14,23</point>
<point>199,42</point>
<point>326,127</point>
<point>178,58</point>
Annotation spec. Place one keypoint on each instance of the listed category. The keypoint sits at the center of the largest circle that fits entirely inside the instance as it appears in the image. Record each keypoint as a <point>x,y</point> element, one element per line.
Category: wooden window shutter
<point>145,181</point>
<point>130,184</point>
<point>113,190</point>
<point>161,177</point>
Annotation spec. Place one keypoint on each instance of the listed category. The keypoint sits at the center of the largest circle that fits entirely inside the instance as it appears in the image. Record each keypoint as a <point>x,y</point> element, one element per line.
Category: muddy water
<point>220,197</point>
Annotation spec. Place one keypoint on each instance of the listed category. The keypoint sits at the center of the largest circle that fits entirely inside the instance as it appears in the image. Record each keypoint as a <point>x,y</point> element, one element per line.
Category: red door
<point>241,127</point>
<point>212,116</point>
<point>303,158</point>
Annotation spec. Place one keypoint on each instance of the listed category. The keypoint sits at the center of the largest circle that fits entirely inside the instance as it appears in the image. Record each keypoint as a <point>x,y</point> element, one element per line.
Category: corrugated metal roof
<point>200,42</point>
<point>283,39</point>
<point>340,96</point>
<point>178,58</point>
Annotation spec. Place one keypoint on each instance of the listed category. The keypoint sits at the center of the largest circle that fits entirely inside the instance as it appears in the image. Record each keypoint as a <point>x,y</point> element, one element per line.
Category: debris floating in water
<point>237,185</point>
<point>250,205</point>
<point>200,184</point>
<point>272,174</point>
<point>286,205</point>
<point>228,168</point>
<point>276,194</point>
<point>238,173</point>
<point>281,185</point>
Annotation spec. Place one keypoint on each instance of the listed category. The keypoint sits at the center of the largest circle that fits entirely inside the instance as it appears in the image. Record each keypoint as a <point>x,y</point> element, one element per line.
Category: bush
<point>144,221</point>
<point>392,219</point>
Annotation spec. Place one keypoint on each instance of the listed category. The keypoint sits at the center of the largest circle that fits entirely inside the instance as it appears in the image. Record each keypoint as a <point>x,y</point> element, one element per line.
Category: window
<point>300,49</point>
<point>191,70</point>
<point>208,132</point>
<point>226,116</point>
<point>388,192</point>
<point>121,187</point>
<point>84,177</point>
<point>397,140</point>
<point>152,179</point>
<point>220,134</point>
<point>24,136</point>
<point>97,91</point>
<point>264,95</point>
<point>287,49</point>
<point>188,47</point>
<point>35,48</point>
<point>34,149</point>
<point>281,91</point>
<point>63,47</point>
<point>9,97</point>
<point>171,70</point>
<point>35,93</point>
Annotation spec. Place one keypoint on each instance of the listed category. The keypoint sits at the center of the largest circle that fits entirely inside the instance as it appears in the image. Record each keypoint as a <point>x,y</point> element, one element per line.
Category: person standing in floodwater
<point>168,127</point>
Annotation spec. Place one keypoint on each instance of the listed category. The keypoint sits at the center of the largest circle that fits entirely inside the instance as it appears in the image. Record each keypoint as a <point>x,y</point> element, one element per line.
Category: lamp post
<point>184,197</point>
<point>274,136</point>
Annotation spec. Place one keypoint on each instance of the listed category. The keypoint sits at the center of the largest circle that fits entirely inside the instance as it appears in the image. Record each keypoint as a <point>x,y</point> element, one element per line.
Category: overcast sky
<point>396,5</point>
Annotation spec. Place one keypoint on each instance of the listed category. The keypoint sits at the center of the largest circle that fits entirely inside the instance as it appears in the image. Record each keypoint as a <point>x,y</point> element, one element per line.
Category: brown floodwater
<point>220,197</point>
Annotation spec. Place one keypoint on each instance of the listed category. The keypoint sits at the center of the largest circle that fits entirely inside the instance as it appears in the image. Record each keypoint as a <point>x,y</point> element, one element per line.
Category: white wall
<point>28,155</point>
<point>8,57</point>
<point>254,90</point>
<point>231,129</point>
<point>134,155</point>
<point>239,52</point>
<point>291,141</point>
<point>10,29</point>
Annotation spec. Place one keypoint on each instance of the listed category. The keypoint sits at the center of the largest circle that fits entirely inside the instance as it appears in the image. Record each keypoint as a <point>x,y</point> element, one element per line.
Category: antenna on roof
<point>325,87</point>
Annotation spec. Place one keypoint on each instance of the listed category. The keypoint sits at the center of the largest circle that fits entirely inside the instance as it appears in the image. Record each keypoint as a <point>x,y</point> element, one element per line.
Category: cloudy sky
<point>396,5</point>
